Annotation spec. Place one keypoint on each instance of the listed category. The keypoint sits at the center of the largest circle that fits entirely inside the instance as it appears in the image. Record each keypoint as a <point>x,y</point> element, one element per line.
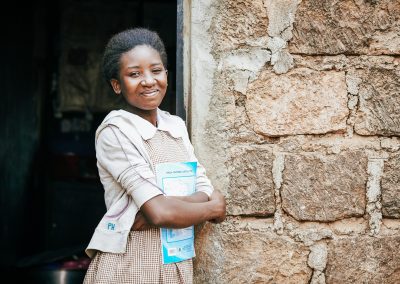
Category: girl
<point>130,142</point>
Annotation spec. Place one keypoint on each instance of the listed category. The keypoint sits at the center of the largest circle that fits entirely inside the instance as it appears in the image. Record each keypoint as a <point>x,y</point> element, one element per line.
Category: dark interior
<point>53,99</point>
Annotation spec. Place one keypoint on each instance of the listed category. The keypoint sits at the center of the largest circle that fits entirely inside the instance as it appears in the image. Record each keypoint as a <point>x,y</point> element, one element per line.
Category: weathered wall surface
<point>296,116</point>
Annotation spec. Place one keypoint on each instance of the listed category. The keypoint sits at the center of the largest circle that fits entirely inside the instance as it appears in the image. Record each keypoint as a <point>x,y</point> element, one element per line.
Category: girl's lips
<point>150,93</point>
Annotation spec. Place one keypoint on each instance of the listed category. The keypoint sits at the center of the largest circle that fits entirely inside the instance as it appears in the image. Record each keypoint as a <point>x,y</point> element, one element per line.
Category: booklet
<point>177,179</point>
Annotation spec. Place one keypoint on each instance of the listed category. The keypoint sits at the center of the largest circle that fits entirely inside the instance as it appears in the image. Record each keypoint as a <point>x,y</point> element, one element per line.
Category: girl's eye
<point>135,74</point>
<point>157,71</point>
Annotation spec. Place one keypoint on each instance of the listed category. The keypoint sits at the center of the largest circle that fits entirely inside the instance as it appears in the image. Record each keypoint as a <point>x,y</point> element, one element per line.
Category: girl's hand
<point>220,206</point>
<point>140,223</point>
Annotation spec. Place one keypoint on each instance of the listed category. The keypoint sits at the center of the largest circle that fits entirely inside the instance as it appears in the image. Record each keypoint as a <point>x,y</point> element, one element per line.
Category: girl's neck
<point>149,115</point>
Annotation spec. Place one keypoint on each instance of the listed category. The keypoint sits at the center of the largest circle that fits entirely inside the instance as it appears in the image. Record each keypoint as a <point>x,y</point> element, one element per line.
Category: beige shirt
<point>127,175</point>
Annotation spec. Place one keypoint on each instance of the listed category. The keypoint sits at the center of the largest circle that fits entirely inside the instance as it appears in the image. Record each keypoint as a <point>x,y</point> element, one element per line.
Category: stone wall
<point>295,113</point>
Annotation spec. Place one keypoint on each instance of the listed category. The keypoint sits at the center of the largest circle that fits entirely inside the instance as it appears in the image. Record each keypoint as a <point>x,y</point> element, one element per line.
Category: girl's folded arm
<point>170,212</point>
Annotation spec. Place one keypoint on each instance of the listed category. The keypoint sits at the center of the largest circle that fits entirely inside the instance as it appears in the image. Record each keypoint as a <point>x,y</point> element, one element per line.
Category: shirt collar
<point>165,122</point>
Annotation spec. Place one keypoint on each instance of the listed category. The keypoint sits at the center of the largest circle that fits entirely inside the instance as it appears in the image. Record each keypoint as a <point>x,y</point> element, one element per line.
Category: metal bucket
<point>53,276</point>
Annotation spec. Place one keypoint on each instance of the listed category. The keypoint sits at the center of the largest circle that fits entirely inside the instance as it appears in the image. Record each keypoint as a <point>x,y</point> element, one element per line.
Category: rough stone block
<point>251,190</point>
<point>301,101</point>
<point>239,23</point>
<point>379,102</point>
<point>320,187</point>
<point>348,26</point>
<point>248,252</point>
<point>364,260</point>
<point>390,187</point>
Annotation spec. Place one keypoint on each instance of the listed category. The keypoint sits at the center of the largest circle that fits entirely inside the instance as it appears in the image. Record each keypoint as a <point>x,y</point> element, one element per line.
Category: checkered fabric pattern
<point>142,261</point>
<point>163,148</point>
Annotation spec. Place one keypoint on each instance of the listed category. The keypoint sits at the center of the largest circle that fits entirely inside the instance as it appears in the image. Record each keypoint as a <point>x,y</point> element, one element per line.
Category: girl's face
<point>142,78</point>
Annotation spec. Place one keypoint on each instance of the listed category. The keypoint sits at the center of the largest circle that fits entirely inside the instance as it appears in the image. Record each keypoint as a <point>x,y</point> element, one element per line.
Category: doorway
<point>60,192</point>
<point>79,99</point>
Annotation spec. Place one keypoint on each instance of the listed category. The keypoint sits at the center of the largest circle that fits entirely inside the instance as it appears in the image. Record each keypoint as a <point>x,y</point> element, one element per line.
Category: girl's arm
<point>198,196</point>
<point>167,212</point>
<point>142,223</point>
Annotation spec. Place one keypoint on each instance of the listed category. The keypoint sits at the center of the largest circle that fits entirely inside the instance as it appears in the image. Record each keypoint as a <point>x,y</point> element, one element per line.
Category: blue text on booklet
<point>177,179</point>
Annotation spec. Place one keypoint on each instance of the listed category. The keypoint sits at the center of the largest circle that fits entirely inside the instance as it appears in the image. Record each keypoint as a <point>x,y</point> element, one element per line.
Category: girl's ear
<point>116,86</point>
<point>166,72</point>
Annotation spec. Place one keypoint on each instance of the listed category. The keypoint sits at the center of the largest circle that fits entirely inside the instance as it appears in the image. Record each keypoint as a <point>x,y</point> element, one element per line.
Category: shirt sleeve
<point>203,183</point>
<point>119,157</point>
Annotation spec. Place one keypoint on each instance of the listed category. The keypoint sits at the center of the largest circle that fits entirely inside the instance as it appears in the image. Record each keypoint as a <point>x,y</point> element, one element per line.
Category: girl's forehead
<point>141,53</point>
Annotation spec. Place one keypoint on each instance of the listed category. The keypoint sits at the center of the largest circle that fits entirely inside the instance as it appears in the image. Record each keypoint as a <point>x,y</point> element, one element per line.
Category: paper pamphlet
<point>177,179</point>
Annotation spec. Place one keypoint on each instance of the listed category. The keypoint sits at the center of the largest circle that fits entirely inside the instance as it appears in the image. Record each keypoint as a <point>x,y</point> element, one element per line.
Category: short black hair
<point>123,42</point>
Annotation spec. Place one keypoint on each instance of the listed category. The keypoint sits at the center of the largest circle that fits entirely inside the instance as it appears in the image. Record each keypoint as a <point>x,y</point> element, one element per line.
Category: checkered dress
<point>142,261</point>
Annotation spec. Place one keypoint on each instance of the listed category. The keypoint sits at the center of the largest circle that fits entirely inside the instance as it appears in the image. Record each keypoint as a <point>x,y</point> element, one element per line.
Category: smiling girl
<point>130,142</point>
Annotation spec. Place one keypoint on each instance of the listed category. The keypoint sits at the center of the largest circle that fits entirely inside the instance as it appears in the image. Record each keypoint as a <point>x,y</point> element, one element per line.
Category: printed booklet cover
<point>177,179</point>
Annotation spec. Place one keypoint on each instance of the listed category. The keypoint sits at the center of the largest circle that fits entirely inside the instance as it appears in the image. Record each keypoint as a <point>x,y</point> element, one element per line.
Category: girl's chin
<point>143,107</point>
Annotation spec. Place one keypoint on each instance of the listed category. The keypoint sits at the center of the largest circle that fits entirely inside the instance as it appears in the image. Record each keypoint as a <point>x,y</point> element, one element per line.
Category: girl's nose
<point>148,80</point>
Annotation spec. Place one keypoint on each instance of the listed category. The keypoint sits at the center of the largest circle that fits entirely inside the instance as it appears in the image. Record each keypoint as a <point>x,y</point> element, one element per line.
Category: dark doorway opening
<point>51,198</point>
<point>80,99</point>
